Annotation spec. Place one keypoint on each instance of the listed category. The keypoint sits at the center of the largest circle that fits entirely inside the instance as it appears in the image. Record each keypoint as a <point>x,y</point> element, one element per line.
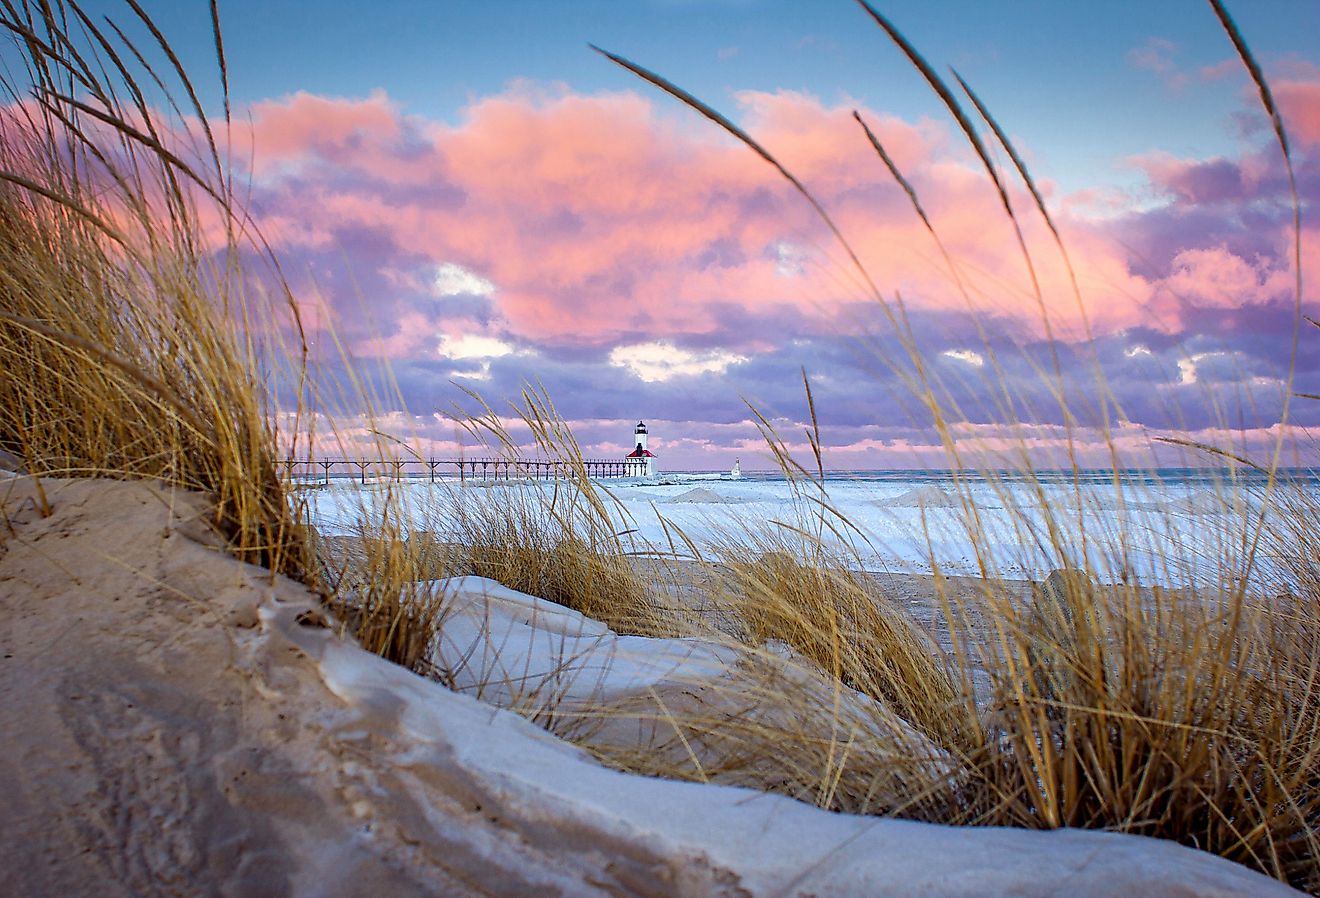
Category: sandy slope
<point>175,722</point>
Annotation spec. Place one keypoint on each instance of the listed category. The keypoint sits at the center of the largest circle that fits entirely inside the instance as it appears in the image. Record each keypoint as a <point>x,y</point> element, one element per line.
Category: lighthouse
<point>640,462</point>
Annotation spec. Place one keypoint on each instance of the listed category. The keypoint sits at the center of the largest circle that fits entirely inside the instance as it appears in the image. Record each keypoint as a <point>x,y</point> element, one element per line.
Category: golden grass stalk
<point>520,539</point>
<point>119,354</point>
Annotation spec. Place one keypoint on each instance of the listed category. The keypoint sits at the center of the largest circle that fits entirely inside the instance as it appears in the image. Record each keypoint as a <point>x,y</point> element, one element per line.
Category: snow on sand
<point>174,721</point>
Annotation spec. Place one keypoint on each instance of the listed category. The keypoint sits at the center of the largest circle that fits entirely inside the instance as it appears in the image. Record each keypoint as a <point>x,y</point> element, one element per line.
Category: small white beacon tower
<point>640,462</point>
<point>736,472</point>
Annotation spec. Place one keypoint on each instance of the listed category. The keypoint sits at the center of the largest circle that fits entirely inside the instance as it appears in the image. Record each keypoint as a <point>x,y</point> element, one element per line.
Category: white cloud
<point>662,360</point>
<point>1134,351</point>
<point>1187,373</point>
<point>790,260</point>
<point>473,347</point>
<point>454,280</point>
<point>974,359</point>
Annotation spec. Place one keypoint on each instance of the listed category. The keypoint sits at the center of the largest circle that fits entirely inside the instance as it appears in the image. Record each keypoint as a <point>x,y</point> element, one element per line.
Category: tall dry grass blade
<point>894,172</point>
<point>1006,399</point>
<point>202,119</point>
<point>152,143</point>
<point>968,129</point>
<point>724,122</point>
<point>1216,451</point>
<point>175,402</point>
<point>1281,136</point>
<point>1106,394</point>
<point>220,55</point>
<point>39,49</point>
<point>1024,173</point>
<point>73,206</point>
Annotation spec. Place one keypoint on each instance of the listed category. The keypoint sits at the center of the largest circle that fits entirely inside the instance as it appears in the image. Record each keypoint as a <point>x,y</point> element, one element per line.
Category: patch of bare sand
<point>152,743</point>
<point>692,588</point>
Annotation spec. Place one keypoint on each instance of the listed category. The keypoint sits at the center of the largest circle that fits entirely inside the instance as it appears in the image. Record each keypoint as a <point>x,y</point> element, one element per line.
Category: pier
<point>321,470</point>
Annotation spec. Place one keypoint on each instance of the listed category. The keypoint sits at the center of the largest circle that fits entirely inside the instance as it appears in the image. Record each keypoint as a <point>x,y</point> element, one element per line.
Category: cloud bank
<point>638,263</point>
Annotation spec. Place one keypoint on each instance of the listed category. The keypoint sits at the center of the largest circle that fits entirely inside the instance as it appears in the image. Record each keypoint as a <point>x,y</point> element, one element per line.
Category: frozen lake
<point>1168,526</point>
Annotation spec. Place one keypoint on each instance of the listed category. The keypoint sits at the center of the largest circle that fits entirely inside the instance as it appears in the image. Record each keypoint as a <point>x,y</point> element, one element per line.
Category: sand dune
<point>175,722</point>
<point>704,495</point>
<point>927,496</point>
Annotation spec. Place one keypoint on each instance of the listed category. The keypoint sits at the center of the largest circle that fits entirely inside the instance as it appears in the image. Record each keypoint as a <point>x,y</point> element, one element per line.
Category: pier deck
<point>322,470</point>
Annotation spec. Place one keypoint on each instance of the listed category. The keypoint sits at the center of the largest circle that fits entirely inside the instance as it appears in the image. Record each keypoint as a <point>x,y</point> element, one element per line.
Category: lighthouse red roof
<point>639,452</point>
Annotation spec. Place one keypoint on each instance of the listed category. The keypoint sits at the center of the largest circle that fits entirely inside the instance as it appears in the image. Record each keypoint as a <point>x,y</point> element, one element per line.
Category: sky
<point>467,194</point>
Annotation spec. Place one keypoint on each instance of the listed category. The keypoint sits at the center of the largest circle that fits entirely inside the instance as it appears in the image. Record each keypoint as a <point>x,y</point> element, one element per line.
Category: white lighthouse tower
<point>640,462</point>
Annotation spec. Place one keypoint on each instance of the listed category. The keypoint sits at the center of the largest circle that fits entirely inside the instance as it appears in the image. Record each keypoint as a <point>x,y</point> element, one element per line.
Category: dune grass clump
<point>776,724</point>
<point>565,540</point>
<point>832,616</point>
<point>521,539</point>
<point>143,320</point>
<point>379,587</point>
<point>1156,712</point>
<point>121,311</point>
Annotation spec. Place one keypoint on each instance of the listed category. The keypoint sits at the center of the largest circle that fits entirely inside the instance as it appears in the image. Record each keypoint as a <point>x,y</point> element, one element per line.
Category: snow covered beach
<point>1178,528</point>
<point>1177,524</point>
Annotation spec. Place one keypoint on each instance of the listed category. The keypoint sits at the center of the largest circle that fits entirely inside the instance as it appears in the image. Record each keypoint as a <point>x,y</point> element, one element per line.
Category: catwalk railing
<point>323,470</point>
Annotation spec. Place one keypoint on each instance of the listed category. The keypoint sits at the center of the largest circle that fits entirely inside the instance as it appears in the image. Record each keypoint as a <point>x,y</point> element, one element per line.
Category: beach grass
<point>130,341</point>
<point>121,324</point>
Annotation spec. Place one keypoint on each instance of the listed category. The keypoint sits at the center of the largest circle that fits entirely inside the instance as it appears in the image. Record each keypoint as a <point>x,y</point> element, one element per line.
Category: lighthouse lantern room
<point>640,462</point>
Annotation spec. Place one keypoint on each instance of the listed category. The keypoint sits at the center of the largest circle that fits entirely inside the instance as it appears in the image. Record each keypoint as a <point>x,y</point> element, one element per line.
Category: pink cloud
<point>1223,69</point>
<point>596,217</point>
<point>290,127</point>
<point>1155,55</point>
<point>1218,278</point>
<point>574,224</point>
